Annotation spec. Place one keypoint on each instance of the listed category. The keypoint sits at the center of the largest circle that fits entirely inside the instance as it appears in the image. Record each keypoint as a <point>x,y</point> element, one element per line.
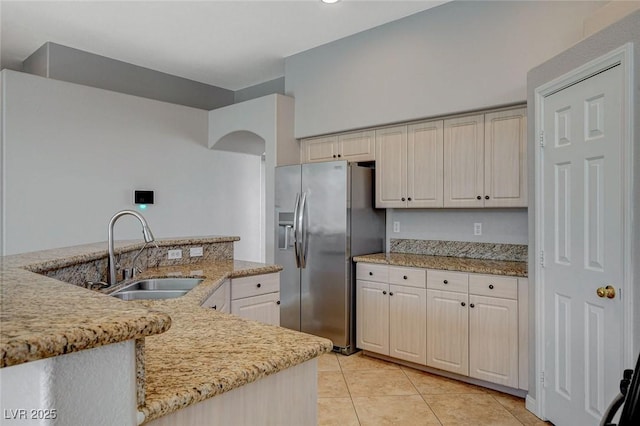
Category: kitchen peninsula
<point>173,360</point>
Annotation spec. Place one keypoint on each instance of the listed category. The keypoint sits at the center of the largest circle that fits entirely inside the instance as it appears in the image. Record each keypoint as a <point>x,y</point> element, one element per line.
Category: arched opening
<point>252,202</point>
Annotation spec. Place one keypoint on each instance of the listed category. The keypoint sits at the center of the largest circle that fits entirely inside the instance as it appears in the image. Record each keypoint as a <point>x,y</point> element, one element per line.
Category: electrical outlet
<point>477,229</point>
<point>396,226</point>
<point>174,254</point>
<point>195,251</point>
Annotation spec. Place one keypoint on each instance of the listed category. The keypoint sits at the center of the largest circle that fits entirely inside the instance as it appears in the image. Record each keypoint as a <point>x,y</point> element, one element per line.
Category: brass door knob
<point>609,292</point>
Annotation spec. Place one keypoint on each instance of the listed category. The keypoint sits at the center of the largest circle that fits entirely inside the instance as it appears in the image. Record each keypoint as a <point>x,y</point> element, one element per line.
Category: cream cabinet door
<point>319,149</point>
<point>408,323</point>
<point>220,300</point>
<point>493,340</point>
<point>447,331</point>
<point>357,146</point>
<point>391,167</point>
<point>264,308</point>
<point>425,146</point>
<point>372,316</point>
<point>505,154</point>
<point>464,161</point>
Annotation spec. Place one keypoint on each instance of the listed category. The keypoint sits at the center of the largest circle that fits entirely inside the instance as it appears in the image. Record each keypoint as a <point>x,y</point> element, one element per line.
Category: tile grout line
<point>422,396</point>
<point>349,390</point>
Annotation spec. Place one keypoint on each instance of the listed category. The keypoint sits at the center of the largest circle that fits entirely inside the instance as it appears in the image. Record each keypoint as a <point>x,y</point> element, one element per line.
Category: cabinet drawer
<point>372,272</point>
<point>448,281</point>
<point>254,285</point>
<point>412,277</point>
<point>493,286</point>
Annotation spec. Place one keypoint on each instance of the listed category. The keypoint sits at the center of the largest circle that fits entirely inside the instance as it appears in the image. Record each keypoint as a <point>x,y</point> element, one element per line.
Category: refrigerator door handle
<point>303,231</point>
<point>296,228</point>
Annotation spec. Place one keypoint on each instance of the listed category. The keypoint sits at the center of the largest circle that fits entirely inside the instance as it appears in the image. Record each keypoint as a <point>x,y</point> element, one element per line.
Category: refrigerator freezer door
<point>325,303</point>
<point>286,189</point>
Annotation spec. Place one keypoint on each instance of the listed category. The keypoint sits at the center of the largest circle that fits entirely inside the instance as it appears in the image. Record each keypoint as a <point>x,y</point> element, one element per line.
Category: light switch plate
<point>396,226</point>
<point>477,229</point>
<point>195,251</point>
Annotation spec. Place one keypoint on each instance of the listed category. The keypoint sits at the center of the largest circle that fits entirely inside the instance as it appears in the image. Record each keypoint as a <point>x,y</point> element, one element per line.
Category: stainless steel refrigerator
<point>324,216</point>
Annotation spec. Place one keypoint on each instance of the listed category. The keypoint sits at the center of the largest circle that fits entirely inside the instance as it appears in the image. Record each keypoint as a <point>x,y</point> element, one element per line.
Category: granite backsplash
<point>474,250</point>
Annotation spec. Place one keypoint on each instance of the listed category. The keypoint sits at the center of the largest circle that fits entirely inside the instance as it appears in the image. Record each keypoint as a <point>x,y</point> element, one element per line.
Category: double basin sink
<point>157,288</point>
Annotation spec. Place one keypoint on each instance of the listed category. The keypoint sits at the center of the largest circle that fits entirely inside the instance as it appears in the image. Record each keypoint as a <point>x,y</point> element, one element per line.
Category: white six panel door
<point>582,246</point>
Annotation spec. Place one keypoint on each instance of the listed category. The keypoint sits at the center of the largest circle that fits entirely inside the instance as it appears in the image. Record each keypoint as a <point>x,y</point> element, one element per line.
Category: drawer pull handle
<point>405,277</point>
<point>370,273</point>
<point>472,305</point>
<point>384,292</point>
<point>445,281</point>
<point>463,304</point>
<point>259,285</point>
<point>490,286</point>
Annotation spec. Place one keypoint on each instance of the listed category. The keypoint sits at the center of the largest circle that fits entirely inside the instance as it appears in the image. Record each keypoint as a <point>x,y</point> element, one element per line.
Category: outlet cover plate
<point>174,254</point>
<point>195,252</point>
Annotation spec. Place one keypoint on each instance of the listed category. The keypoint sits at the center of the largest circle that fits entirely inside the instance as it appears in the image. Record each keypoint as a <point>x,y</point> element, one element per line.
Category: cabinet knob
<point>334,156</point>
<point>339,155</point>
<point>402,198</point>
<point>259,285</point>
<point>278,302</point>
<point>405,277</point>
<point>370,273</point>
<point>463,304</point>
<point>384,292</point>
<point>472,305</point>
<point>446,281</point>
<point>409,198</point>
<point>486,197</point>
<point>490,286</point>
<point>479,197</point>
<point>390,293</point>
<point>214,307</point>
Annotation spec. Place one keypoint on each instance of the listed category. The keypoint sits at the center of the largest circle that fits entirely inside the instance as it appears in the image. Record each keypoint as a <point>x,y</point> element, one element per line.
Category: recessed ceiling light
<point>330,1</point>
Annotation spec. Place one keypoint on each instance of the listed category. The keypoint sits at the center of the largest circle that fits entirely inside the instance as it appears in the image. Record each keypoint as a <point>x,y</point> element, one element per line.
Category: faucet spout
<point>146,232</point>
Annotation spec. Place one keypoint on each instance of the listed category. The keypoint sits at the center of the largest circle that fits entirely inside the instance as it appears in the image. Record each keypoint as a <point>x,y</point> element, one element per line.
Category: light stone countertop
<point>462,264</point>
<point>204,352</point>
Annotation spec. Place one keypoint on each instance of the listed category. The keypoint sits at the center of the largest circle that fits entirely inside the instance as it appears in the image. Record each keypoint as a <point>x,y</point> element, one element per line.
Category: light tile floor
<point>360,390</point>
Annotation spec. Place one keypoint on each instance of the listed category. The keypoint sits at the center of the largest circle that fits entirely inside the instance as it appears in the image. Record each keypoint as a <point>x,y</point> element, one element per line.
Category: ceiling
<point>230,44</point>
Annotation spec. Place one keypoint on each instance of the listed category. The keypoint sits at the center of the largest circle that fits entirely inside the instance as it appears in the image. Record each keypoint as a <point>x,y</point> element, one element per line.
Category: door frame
<point>622,56</point>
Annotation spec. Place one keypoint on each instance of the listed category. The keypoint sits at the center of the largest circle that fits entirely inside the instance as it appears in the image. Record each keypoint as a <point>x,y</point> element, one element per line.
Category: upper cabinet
<point>505,158</point>
<point>354,146</point>
<point>485,161</point>
<point>471,161</point>
<point>409,165</point>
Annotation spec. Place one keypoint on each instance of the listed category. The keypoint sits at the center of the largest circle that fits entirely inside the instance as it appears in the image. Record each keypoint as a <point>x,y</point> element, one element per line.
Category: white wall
<point>90,387</point>
<point>74,154</point>
<point>456,57</point>
<point>498,225</point>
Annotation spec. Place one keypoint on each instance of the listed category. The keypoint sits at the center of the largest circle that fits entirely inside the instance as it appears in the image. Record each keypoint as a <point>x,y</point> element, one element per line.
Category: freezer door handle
<point>303,230</point>
<point>296,230</point>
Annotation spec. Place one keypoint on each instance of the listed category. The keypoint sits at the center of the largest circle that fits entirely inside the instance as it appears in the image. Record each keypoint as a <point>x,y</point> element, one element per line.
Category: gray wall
<point>263,89</point>
<point>76,66</point>
<point>626,30</point>
<point>498,225</point>
<point>73,155</point>
<point>456,57</point>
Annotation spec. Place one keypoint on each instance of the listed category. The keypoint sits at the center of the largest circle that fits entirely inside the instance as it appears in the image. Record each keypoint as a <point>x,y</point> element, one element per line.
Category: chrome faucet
<point>146,232</point>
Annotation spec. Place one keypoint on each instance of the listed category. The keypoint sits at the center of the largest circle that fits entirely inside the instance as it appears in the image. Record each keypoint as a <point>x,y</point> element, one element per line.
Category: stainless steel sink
<point>157,288</point>
<point>148,294</point>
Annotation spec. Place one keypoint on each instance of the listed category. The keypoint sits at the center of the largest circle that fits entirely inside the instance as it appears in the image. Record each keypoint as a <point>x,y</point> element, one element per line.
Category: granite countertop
<point>206,352</point>
<point>462,264</point>
<point>191,353</point>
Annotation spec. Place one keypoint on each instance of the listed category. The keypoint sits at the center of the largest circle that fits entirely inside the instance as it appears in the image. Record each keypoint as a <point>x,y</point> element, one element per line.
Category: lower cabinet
<point>448,331</point>
<point>391,318</point>
<point>220,300</point>
<point>464,323</point>
<point>257,298</point>
<point>493,340</point>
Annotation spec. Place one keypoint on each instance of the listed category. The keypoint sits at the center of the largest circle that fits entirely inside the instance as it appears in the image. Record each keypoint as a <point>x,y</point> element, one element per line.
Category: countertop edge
<point>459,264</point>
